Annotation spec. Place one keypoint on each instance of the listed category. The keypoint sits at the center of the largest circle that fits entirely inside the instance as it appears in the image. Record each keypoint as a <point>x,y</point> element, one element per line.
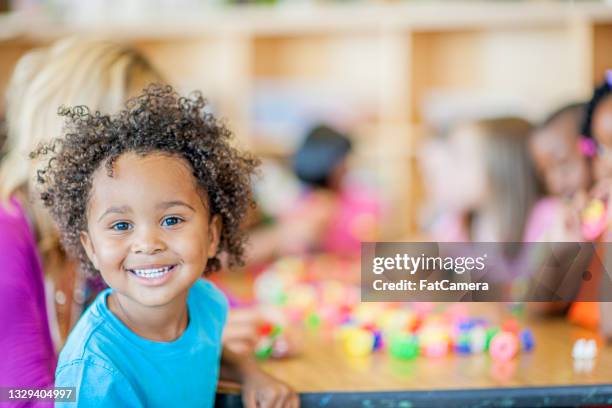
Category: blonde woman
<point>101,75</point>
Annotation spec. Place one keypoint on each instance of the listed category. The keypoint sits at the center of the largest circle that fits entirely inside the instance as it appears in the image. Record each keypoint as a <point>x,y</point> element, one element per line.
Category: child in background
<point>597,140</point>
<point>557,151</point>
<point>350,212</point>
<point>149,199</point>
<point>557,155</point>
<point>492,181</point>
<point>329,213</point>
<point>565,174</point>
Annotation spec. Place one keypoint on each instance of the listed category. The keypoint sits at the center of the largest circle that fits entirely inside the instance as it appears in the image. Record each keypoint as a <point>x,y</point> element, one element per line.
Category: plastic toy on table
<point>504,346</point>
<point>594,219</point>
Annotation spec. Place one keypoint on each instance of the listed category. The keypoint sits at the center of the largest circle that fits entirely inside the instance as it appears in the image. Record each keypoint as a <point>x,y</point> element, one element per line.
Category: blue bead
<point>463,348</point>
<point>527,340</point>
<point>378,340</point>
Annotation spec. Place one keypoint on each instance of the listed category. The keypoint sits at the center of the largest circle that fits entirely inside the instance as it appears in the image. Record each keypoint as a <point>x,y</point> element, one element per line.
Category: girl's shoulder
<point>18,252</point>
<point>86,338</point>
<point>13,221</point>
<point>210,303</point>
<point>205,293</point>
<point>204,287</point>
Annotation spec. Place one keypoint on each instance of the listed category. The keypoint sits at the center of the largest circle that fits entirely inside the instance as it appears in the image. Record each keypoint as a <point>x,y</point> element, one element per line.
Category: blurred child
<point>493,182</point>
<point>350,212</point>
<point>597,142</point>
<point>332,214</point>
<point>149,199</point>
<point>556,152</point>
<point>564,171</point>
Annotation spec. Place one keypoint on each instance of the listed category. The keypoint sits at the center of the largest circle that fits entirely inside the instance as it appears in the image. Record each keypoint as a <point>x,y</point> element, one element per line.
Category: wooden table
<point>326,377</point>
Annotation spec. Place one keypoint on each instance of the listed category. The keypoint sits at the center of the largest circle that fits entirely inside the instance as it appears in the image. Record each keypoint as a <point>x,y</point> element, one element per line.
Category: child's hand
<point>567,223</point>
<point>240,333</point>
<point>259,390</point>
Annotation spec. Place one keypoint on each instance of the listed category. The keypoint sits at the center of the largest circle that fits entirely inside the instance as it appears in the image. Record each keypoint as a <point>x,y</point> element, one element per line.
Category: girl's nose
<point>147,242</point>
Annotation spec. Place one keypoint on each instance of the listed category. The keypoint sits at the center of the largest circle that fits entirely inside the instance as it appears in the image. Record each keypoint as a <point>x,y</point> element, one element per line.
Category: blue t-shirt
<point>112,366</point>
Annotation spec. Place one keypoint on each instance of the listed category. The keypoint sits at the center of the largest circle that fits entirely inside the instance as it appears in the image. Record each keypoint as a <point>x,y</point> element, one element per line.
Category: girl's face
<point>149,232</point>
<point>602,131</point>
<point>557,157</point>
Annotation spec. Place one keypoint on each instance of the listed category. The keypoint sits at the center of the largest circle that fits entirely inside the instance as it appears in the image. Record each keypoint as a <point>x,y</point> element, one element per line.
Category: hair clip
<point>587,146</point>
<point>609,77</point>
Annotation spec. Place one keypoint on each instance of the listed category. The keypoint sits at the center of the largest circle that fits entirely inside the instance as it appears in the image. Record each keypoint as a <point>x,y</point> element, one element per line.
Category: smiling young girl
<point>149,198</point>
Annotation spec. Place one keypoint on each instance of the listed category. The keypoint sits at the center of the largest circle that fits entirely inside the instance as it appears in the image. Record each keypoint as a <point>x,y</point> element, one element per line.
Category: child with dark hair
<point>349,211</point>
<point>149,198</point>
<point>597,130</point>
<point>321,159</point>
<point>555,148</point>
<point>597,143</point>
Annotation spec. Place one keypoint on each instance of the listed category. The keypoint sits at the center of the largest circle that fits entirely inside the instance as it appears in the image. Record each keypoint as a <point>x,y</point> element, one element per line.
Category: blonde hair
<point>96,73</point>
<point>511,174</point>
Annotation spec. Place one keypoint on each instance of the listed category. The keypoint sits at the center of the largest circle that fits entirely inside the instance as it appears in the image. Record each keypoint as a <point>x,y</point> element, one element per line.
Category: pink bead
<point>504,346</point>
<point>435,349</point>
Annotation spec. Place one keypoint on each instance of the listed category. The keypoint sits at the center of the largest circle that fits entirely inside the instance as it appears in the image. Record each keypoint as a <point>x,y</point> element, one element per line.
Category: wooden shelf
<point>292,19</point>
<point>392,57</point>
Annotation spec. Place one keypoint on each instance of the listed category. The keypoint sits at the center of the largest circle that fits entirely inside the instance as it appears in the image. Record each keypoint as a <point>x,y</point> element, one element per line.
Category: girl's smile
<point>152,275</point>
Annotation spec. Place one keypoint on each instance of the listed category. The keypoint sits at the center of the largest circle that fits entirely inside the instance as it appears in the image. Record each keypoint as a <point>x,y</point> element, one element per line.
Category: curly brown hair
<point>159,120</point>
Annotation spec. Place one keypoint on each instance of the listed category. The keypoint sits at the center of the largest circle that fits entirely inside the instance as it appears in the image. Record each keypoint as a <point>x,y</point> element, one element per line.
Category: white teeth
<point>151,273</point>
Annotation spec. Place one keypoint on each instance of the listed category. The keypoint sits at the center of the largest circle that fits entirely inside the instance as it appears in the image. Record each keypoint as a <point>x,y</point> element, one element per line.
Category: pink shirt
<point>27,357</point>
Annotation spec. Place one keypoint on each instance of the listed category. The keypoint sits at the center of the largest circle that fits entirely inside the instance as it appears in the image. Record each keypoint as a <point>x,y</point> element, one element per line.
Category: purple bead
<point>378,340</point>
<point>466,325</point>
<point>527,340</point>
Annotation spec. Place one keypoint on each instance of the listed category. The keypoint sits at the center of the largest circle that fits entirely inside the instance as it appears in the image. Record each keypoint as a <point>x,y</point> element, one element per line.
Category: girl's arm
<point>258,388</point>
<point>28,358</point>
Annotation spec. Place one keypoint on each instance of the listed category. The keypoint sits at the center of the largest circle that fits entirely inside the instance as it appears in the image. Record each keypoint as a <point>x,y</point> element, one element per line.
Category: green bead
<point>263,353</point>
<point>276,331</point>
<point>491,332</point>
<point>404,346</point>
<point>313,321</point>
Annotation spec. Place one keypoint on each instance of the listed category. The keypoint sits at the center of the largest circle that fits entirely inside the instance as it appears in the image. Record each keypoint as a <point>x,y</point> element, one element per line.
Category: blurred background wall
<point>388,73</point>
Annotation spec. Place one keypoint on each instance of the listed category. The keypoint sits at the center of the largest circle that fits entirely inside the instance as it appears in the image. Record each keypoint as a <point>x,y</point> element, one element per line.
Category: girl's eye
<point>121,226</point>
<point>171,221</point>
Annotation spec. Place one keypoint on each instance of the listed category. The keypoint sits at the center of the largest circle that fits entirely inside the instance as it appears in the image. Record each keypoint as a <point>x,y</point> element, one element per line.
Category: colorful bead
<point>491,332</point>
<point>584,349</point>
<point>313,321</point>
<point>503,346</point>
<point>527,340</point>
<point>263,349</point>
<point>594,219</point>
<point>358,342</point>
<point>435,349</point>
<point>378,340</point>
<point>404,346</point>
<point>265,329</point>
<point>462,343</point>
<point>280,348</point>
<point>478,339</point>
<point>511,326</point>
